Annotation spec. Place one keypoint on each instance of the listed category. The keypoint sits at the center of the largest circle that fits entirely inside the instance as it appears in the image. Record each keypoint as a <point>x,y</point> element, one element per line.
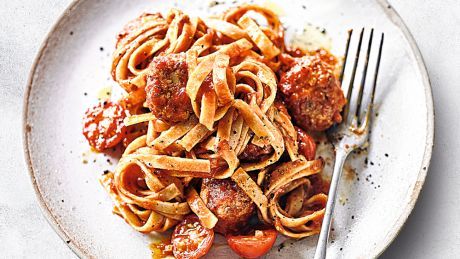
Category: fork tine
<point>350,33</point>
<point>374,86</point>
<point>352,79</point>
<point>377,67</point>
<point>345,139</point>
<point>363,78</point>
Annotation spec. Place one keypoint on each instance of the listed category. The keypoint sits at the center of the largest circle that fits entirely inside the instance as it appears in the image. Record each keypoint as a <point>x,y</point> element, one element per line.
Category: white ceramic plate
<point>75,59</point>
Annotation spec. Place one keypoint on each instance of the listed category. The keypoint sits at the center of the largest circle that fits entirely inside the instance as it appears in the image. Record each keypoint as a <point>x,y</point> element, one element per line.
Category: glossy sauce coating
<point>205,87</point>
<point>254,153</point>
<point>307,145</point>
<point>161,249</point>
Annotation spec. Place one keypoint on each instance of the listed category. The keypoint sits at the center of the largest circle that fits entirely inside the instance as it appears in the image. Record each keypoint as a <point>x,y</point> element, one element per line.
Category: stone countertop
<point>432,230</point>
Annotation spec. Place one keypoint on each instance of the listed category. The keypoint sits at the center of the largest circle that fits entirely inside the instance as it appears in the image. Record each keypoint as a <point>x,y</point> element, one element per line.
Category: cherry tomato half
<point>253,246</point>
<point>307,145</point>
<point>103,125</point>
<point>190,239</point>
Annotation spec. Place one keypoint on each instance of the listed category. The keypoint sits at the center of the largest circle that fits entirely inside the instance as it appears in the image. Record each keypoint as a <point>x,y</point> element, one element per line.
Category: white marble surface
<point>432,230</point>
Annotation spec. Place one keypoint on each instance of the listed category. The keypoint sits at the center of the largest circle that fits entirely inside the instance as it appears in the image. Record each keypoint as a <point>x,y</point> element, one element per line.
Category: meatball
<point>228,202</point>
<point>166,81</point>
<point>312,93</point>
<point>254,153</point>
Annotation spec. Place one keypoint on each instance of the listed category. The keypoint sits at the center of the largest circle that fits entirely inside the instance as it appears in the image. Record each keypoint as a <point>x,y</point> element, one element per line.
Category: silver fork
<point>352,133</point>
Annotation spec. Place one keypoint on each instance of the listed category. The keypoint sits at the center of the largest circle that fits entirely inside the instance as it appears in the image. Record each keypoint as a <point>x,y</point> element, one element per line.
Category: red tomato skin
<point>252,246</point>
<point>307,145</point>
<point>103,125</point>
<point>204,246</point>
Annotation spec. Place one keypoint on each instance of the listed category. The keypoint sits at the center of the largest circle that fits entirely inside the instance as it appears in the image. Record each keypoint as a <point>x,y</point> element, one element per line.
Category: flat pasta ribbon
<point>233,62</point>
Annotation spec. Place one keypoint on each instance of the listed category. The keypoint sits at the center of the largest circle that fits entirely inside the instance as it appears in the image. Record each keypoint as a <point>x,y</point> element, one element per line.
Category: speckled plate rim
<point>392,15</point>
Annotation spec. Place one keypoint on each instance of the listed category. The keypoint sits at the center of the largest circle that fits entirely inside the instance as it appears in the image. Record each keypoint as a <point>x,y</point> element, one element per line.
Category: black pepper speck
<point>280,247</point>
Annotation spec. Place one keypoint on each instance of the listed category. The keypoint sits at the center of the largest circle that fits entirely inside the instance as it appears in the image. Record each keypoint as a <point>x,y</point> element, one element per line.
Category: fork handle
<point>340,157</point>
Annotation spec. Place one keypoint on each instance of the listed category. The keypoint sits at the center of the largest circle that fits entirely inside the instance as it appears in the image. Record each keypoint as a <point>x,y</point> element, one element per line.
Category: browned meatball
<point>228,202</point>
<point>254,153</point>
<point>166,81</point>
<point>312,93</point>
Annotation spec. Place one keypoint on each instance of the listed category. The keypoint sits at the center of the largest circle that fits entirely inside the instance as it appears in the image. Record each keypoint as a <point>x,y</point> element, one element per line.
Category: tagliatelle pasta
<point>216,113</point>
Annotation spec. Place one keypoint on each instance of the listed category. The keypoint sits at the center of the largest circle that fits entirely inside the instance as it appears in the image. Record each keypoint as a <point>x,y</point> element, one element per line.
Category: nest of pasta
<point>215,112</point>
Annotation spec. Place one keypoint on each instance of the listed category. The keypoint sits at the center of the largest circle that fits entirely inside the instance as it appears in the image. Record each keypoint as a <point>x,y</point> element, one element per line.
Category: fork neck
<point>342,150</point>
